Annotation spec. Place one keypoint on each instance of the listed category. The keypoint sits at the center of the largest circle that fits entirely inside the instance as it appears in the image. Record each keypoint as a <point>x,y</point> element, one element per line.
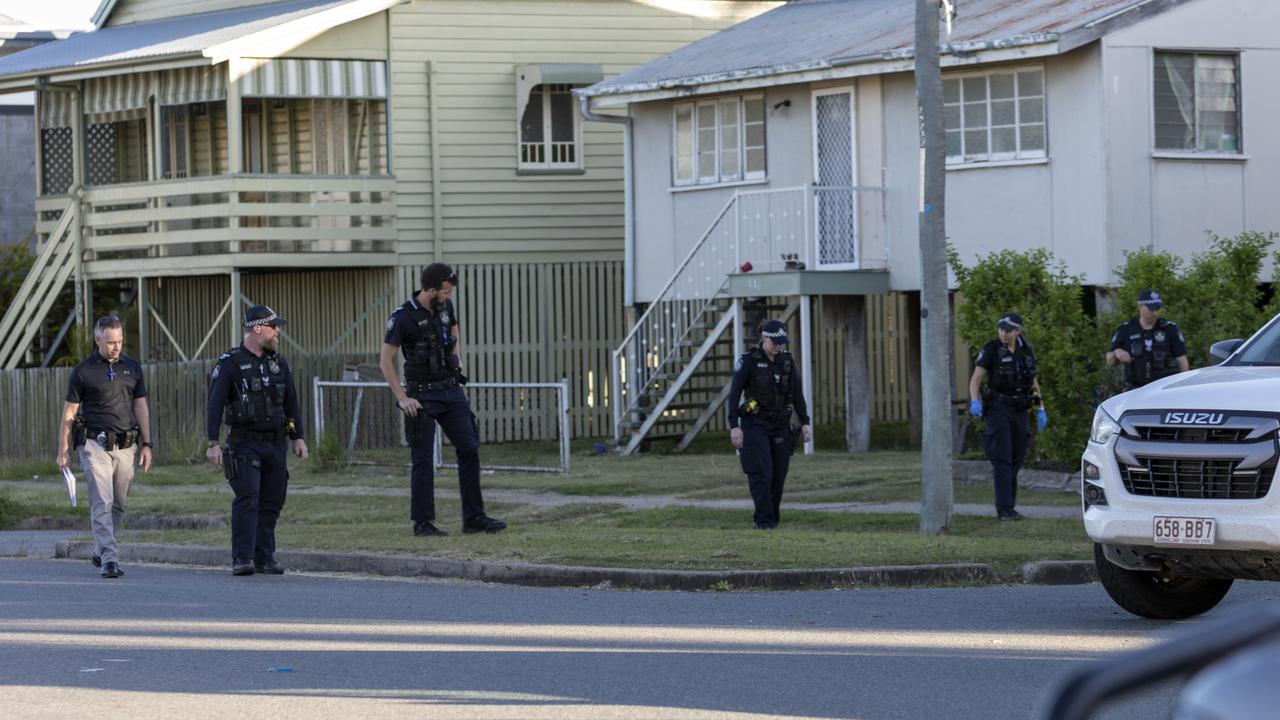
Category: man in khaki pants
<point>106,418</point>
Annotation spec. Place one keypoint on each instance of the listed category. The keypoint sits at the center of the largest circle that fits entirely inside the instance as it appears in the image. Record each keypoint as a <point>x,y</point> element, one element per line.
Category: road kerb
<point>1059,572</point>
<point>564,576</point>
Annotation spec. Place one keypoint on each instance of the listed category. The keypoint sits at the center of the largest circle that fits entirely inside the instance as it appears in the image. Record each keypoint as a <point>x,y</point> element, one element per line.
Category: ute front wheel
<point>1159,596</point>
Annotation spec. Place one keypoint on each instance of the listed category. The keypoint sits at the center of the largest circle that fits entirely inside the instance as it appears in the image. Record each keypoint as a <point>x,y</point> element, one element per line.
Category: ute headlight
<point>1103,427</point>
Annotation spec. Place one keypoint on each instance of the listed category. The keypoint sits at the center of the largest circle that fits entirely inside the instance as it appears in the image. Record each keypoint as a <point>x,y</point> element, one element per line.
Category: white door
<point>835,178</point>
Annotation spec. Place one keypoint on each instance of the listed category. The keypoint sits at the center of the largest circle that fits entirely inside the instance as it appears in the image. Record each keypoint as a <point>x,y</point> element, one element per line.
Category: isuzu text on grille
<point>1194,418</point>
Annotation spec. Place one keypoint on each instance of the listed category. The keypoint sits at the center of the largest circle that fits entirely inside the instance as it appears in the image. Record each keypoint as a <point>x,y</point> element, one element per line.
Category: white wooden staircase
<point>54,265</point>
<point>672,372</point>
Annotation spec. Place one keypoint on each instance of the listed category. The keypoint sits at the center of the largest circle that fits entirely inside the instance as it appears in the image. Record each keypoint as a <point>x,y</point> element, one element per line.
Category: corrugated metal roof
<point>810,34</point>
<point>177,36</point>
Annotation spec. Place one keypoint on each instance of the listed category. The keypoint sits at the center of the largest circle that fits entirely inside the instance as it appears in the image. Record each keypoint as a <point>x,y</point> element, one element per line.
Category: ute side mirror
<point>1221,350</point>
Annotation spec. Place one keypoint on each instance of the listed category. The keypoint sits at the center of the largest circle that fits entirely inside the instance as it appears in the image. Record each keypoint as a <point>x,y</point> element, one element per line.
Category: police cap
<point>262,315</point>
<point>776,331</point>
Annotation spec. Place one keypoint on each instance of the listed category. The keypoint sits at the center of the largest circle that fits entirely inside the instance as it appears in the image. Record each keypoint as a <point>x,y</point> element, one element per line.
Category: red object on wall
<point>746,267</point>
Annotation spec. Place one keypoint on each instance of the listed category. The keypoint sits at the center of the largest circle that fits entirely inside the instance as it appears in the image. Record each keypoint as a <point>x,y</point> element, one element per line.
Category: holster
<point>793,435</point>
<point>78,432</point>
<point>229,469</point>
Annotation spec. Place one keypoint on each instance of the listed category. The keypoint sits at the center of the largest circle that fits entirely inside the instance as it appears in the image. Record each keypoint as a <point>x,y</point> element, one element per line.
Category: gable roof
<point>809,35</point>
<point>199,36</point>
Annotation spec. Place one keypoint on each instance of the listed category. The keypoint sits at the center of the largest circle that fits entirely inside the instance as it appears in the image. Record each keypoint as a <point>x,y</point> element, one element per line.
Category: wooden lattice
<point>56,160</point>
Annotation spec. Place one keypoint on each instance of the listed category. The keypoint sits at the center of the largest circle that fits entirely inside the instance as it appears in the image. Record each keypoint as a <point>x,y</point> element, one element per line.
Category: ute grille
<point>1201,478</point>
<point>1193,434</point>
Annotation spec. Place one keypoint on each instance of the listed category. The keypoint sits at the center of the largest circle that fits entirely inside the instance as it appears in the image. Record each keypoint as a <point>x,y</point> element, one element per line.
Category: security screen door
<point>835,173</point>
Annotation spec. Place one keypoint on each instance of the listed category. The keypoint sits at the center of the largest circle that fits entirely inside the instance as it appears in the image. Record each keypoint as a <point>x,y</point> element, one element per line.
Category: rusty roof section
<point>814,34</point>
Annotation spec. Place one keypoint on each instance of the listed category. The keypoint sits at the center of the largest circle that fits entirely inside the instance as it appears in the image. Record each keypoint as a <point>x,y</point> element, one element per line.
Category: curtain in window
<point>1174,101</point>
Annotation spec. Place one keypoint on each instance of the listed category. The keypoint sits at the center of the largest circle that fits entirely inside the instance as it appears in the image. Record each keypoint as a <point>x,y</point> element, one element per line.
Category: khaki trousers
<point>108,475</point>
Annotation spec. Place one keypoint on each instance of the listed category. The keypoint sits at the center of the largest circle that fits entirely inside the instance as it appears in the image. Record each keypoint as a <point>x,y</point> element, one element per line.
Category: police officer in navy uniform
<point>1148,346</point>
<point>252,390</point>
<point>425,329</point>
<point>1009,367</point>
<point>765,392</point>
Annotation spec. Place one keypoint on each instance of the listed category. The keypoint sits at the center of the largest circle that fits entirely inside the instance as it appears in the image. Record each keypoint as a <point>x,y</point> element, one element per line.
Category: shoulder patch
<point>216,370</point>
<point>391,322</point>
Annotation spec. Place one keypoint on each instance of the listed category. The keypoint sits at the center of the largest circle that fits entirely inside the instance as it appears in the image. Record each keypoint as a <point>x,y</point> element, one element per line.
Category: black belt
<point>1017,402</point>
<point>244,435</point>
<point>421,387</point>
<point>111,439</point>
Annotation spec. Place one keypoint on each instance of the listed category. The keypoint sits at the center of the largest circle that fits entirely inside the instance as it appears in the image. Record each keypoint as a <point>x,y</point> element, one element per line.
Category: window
<point>995,116</point>
<point>719,141</point>
<point>174,139</point>
<point>1197,102</point>
<point>550,133</point>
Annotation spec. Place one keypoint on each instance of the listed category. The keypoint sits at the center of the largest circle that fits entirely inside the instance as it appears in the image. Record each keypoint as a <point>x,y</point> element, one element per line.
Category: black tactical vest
<point>425,353</point>
<point>1151,365</point>
<point>770,385</point>
<point>1010,381</point>
<point>259,393</point>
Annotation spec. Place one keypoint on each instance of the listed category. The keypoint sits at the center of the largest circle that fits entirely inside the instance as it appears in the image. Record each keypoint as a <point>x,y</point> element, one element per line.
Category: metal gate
<point>835,179</point>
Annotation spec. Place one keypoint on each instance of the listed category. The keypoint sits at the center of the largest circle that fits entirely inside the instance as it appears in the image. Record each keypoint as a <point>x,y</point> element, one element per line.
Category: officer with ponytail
<point>1008,364</point>
<point>764,395</point>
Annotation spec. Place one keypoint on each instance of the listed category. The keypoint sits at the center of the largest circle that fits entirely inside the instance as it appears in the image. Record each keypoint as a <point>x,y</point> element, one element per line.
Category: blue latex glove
<point>975,408</point>
<point>1042,419</point>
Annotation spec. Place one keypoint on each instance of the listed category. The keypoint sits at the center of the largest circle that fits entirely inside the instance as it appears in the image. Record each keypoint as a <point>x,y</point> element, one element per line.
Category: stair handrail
<point>615,376</point>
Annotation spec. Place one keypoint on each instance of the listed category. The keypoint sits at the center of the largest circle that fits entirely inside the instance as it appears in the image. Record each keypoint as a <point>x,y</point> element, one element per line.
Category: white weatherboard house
<point>789,141</point>
<point>201,155</point>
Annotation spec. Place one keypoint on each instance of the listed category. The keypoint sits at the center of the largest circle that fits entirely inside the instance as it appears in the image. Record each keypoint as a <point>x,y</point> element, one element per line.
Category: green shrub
<point>1067,342</point>
<point>329,455</point>
<point>1216,297</point>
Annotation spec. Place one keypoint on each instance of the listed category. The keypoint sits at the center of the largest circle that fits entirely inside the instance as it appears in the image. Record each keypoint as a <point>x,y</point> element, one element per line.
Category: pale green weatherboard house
<point>196,156</point>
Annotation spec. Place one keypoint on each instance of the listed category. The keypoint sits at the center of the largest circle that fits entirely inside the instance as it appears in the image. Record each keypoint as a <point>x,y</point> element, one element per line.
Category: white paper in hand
<point>71,484</point>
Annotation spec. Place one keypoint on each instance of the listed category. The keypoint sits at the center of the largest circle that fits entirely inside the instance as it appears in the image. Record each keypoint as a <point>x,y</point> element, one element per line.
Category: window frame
<point>718,178</point>
<point>549,166</point>
<point>1239,153</point>
<point>998,159</point>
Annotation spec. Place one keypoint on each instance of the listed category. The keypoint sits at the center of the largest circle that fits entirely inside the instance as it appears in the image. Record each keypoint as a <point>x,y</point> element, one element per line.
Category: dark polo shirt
<point>106,391</point>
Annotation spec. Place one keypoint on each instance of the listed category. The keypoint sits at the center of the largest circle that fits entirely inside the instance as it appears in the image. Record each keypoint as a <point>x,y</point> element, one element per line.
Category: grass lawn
<point>603,534</point>
<point>683,538</point>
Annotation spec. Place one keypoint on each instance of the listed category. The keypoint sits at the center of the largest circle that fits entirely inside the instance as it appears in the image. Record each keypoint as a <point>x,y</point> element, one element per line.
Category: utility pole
<point>935,326</point>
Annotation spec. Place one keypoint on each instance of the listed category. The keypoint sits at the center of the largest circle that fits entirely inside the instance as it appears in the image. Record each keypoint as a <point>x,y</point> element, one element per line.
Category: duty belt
<point>244,435</point>
<point>111,439</point>
<point>1019,401</point>
<point>421,387</point>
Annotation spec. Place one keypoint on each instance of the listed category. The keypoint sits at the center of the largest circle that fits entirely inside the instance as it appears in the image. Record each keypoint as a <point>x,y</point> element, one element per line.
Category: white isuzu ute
<point>1176,482</point>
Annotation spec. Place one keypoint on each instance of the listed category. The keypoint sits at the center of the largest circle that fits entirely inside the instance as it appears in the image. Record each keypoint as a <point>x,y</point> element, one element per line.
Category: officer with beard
<point>252,392</point>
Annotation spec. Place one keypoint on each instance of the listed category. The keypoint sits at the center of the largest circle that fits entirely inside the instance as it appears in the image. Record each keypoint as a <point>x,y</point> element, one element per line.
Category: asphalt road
<point>169,642</point>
